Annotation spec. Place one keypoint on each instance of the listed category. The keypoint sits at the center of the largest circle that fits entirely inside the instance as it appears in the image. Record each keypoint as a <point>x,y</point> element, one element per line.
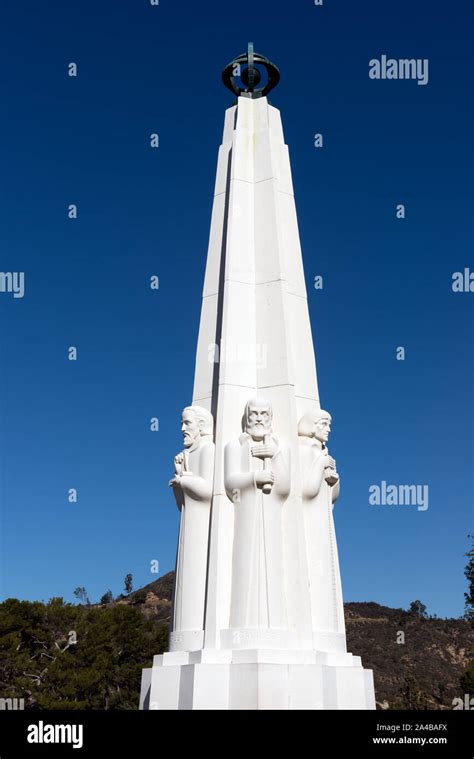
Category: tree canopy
<point>65,656</point>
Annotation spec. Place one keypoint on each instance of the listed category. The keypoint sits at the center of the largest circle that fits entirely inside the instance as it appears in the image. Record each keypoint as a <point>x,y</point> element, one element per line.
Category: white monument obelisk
<point>258,620</point>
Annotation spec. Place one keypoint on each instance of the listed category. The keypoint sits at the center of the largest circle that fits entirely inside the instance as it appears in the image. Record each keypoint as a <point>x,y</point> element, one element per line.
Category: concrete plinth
<point>257,679</point>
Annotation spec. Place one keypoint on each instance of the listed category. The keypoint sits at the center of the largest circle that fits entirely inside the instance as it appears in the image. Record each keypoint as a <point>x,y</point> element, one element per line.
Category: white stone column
<point>255,309</point>
<point>255,342</point>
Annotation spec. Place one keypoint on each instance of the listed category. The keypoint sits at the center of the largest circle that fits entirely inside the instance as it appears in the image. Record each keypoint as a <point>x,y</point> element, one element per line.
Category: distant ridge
<point>423,671</point>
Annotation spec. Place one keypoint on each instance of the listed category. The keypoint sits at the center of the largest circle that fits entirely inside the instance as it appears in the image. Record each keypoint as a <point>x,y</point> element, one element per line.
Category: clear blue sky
<point>387,282</point>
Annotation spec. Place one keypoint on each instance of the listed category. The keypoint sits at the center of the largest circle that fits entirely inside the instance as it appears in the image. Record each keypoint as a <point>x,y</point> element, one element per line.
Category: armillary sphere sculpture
<point>250,76</point>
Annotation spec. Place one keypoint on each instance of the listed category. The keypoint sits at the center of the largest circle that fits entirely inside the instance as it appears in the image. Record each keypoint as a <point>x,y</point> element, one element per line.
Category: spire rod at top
<point>250,76</point>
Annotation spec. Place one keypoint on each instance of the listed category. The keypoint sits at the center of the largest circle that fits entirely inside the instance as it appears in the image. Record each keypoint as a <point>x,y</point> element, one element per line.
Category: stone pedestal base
<point>257,679</point>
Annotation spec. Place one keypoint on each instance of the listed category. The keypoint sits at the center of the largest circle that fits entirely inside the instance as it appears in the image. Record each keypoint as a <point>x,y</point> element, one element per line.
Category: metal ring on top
<point>250,76</point>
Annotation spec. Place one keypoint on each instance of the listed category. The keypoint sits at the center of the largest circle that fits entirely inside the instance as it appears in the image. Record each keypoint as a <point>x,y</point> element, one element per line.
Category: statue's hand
<point>264,477</point>
<point>329,461</point>
<point>178,463</point>
<point>266,451</point>
<point>331,477</point>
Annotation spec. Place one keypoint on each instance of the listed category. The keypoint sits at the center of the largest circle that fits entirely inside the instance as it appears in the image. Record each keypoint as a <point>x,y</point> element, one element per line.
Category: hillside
<point>90,656</point>
<point>421,672</point>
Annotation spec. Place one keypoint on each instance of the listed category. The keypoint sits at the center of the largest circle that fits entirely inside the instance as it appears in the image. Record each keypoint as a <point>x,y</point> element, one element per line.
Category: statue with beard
<point>257,480</point>
<point>192,487</point>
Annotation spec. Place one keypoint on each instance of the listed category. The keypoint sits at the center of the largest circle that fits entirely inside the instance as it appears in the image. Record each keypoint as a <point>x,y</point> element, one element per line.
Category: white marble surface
<point>267,630</point>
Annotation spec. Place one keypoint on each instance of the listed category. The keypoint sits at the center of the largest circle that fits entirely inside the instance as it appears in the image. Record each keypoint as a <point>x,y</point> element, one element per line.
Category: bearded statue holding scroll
<point>257,480</point>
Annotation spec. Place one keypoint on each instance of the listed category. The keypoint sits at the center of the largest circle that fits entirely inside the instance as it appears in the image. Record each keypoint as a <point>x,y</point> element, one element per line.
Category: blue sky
<point>387,282</point>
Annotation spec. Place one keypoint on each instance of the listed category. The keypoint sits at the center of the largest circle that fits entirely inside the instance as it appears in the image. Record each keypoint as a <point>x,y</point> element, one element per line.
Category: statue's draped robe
<point>324,575</point>
<point>191,561</point>
<point>257,597</point>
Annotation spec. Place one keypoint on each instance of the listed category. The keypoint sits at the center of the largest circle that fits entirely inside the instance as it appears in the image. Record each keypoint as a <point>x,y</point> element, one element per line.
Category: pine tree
<point>81,594</point>
<point>469,575</point>
<point>467,679</point>
<point>417,609</point>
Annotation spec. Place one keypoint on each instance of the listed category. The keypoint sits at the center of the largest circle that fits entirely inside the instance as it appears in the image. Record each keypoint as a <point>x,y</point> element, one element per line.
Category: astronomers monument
<point>258,620</point>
